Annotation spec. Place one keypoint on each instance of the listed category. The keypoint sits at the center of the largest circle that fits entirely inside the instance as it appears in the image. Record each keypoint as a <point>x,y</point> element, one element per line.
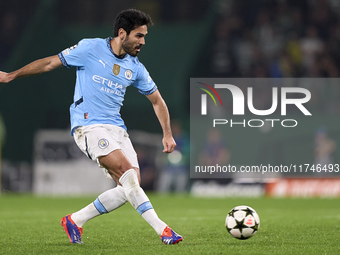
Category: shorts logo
<point>128,74</point>
<point>103,143</point>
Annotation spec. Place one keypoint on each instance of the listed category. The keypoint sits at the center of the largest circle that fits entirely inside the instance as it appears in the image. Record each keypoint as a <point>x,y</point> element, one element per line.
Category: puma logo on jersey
<point>101,61</point>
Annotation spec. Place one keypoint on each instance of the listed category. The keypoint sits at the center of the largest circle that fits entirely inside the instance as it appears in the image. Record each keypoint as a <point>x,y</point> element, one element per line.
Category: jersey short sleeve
<point>144,82</point>
<point>75,55</point>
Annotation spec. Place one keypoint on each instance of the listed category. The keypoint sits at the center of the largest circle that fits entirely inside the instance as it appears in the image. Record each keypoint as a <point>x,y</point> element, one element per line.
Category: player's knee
<point>118,171</point>
<point>137,173</point>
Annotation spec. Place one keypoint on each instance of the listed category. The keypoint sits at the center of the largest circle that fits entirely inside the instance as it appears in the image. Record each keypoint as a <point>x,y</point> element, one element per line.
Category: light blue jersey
<point>102,79</point>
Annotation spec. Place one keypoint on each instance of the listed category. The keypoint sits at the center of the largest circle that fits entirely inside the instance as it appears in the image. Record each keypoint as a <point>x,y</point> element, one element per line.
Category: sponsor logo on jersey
<point>112,87</point>
<point>128,74</point>
<point>107,82</point>
<point>116,69</point>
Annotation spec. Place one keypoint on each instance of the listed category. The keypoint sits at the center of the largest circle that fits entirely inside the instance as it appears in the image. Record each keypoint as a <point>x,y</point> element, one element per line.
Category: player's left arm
<point>163,116</point>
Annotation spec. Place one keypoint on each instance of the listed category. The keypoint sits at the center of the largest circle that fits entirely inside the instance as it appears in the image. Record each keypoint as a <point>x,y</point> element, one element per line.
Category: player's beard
<point>130,48</point>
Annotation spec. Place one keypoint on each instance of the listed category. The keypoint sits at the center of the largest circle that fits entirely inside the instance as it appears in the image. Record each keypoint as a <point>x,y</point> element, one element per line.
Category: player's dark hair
<point>129,20</point>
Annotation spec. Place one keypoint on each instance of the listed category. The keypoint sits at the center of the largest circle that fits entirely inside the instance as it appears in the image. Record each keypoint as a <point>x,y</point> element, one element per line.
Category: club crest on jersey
<point>128,74</point>
<point>103,143</point>
<point>116,69</point>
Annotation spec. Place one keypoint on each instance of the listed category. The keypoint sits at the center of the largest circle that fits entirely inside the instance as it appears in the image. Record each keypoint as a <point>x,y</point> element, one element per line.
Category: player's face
<point>135,40</point>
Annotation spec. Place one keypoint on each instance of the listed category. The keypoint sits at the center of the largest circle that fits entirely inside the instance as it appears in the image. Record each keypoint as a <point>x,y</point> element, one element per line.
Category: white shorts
<point>101,139</point>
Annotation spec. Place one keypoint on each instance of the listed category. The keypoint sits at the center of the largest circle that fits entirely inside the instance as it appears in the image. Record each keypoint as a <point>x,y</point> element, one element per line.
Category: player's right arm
<point>36,67</point>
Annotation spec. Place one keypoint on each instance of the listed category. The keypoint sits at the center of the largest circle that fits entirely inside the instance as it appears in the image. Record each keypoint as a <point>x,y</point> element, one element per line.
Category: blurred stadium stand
<point>201,38</point>
<point>276,38</point>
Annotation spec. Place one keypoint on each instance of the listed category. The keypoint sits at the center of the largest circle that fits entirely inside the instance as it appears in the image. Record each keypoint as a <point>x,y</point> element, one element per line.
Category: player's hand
<point>169,144</point>
<point>4,77</point>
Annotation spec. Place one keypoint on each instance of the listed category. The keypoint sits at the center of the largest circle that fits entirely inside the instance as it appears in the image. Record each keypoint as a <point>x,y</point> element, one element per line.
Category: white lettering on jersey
<point>107,82</point>
<point>111,91</point>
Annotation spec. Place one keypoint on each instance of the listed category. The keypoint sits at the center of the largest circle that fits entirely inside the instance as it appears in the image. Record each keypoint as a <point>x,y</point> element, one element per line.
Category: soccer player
<point>105,68</point>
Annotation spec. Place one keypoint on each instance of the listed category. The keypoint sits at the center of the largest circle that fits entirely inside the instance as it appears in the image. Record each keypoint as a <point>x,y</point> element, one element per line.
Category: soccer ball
<point>242,222</point>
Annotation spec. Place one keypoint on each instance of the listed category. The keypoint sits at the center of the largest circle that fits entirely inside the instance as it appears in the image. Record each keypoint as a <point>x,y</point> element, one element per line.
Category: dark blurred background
<point>201,38</point>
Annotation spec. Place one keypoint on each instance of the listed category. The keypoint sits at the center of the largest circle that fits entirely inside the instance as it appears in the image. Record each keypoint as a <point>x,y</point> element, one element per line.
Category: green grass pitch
<point>30,225</point>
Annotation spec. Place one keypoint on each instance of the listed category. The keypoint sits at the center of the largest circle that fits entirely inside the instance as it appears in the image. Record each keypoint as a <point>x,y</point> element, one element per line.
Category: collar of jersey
<point>108,43</point>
